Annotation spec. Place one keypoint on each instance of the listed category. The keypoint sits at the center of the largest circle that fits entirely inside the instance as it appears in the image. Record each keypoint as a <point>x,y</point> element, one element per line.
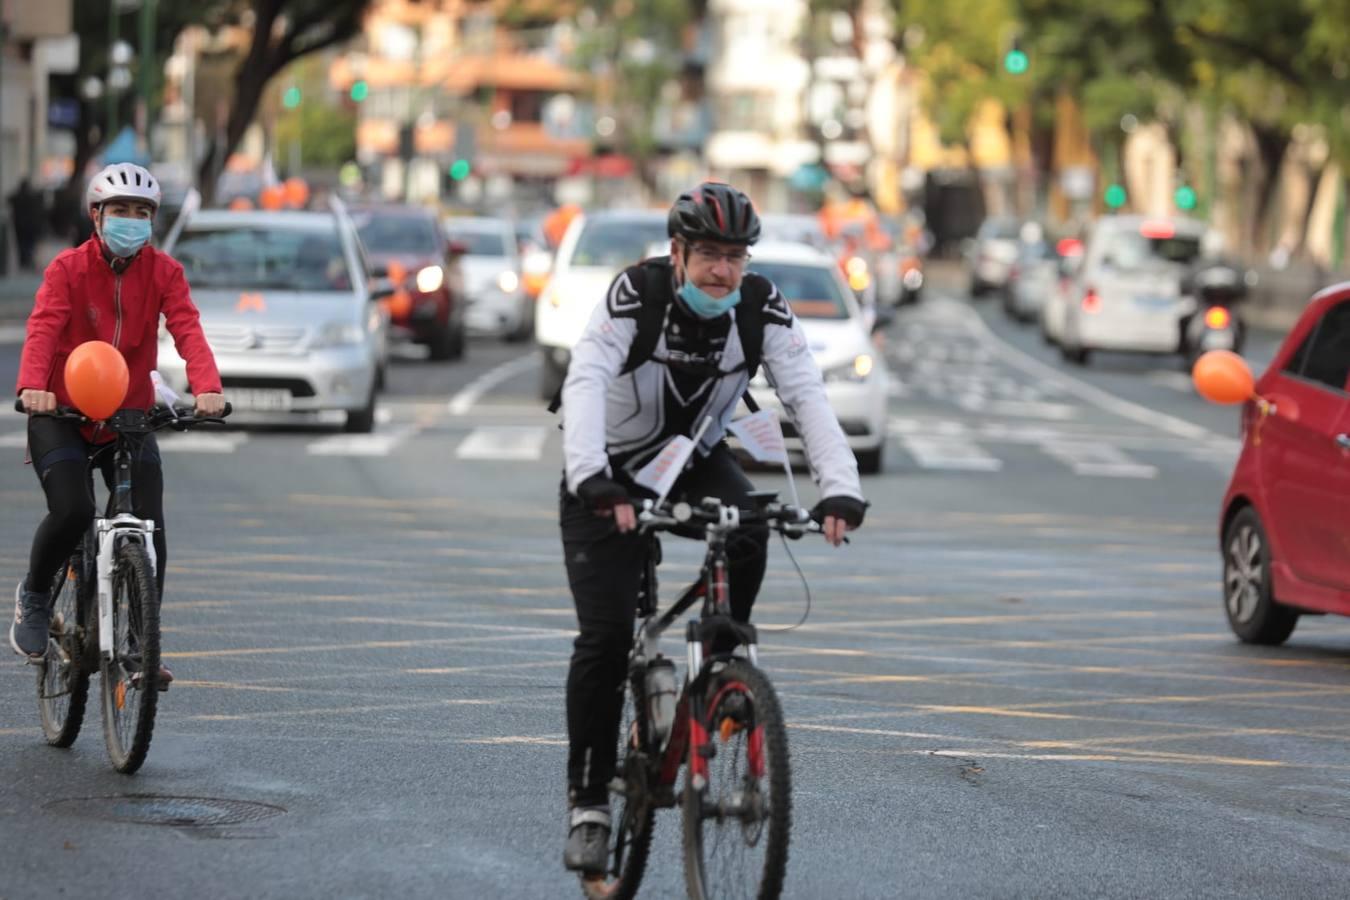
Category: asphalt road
<point>1016,682</point>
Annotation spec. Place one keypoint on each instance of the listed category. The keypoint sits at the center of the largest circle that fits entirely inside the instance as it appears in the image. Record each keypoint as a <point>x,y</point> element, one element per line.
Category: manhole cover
<point>181,812</point>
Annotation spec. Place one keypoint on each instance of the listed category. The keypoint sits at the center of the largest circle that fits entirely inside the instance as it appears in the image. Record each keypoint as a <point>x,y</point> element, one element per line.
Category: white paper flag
<point>761,436</point>
<point>165,392</point>
<point>659,475</point>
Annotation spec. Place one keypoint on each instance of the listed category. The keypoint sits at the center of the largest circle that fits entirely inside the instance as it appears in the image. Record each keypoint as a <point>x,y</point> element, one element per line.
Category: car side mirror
<point>382,288</point>
<point>378,271</point>
<point>455,249</point>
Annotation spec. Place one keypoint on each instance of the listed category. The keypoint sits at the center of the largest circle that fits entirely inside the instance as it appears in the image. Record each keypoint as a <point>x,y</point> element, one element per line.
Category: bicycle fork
<point>109,532</point>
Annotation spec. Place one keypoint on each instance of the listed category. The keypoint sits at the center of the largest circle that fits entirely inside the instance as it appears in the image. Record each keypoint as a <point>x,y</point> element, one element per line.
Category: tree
<point>281,31</point>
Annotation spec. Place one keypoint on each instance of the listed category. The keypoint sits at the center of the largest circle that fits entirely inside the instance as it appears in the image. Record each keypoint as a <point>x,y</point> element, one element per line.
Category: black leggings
<point>604,569</point>
<point>60,457</point>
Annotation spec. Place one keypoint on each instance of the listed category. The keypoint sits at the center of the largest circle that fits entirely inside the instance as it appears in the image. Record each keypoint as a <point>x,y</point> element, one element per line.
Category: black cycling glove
<point>850,509</point>
<point>600,492</point>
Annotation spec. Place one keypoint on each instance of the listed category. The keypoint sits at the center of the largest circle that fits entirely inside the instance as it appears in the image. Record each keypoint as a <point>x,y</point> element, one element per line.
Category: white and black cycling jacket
<point>613,420</point>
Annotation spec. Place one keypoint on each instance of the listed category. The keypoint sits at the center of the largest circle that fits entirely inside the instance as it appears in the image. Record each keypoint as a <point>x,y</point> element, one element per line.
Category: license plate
<point>1151,302</point>
<point>259,399</point>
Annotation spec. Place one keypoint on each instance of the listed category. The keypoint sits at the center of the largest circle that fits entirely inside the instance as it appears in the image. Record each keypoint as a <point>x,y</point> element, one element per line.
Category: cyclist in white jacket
<point>663,352</point>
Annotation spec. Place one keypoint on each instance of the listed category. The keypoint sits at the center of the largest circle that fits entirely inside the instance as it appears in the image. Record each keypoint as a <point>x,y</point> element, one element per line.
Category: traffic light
<point>360,90</point>
<point>459,169</point>
<point>1016,61</point>
<point>1185,197</point>
<point>291,99</point>
<point>1115,196</point>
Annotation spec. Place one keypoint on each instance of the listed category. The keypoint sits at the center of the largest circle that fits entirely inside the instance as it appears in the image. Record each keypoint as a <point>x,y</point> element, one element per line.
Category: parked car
<point>838,334</point>
<point>1125,295</point>
<point>405,244</point>
<point>1285,522</point>
<point>595,248</point>
<point>288,311</point>
<point>498,303</point>
<point>1033,280</point>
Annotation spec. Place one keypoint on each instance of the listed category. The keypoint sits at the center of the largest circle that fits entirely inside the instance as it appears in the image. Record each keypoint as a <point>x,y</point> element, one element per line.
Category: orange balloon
<point>1221,376</point>
<point>296,191</point>
<point>97,379</point>
<point>272,197</point>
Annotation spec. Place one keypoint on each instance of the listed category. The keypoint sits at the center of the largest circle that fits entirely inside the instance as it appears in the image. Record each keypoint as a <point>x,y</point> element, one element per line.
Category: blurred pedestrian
<point>27,213</point>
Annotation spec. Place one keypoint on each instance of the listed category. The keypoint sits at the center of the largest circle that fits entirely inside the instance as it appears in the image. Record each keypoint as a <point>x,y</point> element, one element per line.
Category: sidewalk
<point>17,289</point>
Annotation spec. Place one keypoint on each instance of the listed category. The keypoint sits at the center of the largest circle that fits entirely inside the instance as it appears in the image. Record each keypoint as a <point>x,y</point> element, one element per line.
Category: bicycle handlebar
<point>790,521</point>
<point>159,417</point>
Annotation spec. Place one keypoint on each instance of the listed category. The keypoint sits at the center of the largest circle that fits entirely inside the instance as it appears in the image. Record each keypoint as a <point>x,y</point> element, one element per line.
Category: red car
<point>1286,517</point>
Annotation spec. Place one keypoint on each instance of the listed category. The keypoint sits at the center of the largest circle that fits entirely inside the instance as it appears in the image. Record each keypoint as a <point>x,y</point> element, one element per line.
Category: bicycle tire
<point>63,684</point>
<point>128,709</point>
<point>766,822</point>
<point>635,815</point>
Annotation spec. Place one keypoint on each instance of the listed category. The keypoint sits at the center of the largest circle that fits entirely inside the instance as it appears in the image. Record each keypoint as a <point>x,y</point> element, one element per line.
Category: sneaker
<point>587,849</point>
<point>32,619</point>
<point>132,663</point>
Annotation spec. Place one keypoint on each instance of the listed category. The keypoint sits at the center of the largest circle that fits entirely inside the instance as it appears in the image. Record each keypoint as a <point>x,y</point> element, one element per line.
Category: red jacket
<point>82,299</point>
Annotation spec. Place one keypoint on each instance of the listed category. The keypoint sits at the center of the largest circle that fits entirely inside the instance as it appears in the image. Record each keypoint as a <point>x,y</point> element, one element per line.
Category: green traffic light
<point>360,90</point>
<point>1185,197</point>
<point>459,170</point>
<point>291,99</point>
<point>1016,62</point>
<point>1115,196</point>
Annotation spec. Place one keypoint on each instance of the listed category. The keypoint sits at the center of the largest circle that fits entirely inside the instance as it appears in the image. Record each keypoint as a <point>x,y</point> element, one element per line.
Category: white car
<point>1125,294</point>
<point>498,303</point>
<point>596,247</point>
<point>838,333</point>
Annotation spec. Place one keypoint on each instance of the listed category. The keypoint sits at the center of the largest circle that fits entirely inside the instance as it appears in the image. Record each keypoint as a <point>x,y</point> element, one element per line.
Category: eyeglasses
<point>706,254</point>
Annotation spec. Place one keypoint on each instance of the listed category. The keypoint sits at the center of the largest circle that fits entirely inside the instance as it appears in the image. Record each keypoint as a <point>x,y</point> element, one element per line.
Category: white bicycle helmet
<point>122,181</point>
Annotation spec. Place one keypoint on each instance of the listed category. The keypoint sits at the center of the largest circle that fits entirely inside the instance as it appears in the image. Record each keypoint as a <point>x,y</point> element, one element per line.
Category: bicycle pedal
<point>729,729</point>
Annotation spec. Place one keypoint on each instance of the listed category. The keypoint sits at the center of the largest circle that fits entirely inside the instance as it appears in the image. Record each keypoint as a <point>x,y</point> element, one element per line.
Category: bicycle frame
<point>110,530</point>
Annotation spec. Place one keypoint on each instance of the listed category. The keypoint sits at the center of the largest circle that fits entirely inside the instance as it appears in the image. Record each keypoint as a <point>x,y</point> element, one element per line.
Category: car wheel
<point>1254,614</point>
<point>1079,356</point>
<point>442,344</point>
<point>381,376</point>
<point>869,461</point>
<point>362,421</point>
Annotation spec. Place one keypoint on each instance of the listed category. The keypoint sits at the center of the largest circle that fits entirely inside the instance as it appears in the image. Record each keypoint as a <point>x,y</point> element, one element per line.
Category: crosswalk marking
<point>15,439</point>
<point>513,442</point>
<point>378,444</point>
<point>201,442</point>
<point>959,454</point>
<point>1096,458</point>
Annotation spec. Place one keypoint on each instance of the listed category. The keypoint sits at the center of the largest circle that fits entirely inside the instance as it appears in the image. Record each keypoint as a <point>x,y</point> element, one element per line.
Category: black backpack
<point>657,296</point>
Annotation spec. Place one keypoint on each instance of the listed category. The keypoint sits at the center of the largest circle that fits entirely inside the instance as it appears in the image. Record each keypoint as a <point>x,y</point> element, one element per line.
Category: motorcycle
<point>1214,290</point>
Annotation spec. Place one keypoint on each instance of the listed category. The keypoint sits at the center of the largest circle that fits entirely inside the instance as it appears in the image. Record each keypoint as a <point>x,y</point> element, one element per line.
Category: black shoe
<point>587,849</point>
<point>32,621</point>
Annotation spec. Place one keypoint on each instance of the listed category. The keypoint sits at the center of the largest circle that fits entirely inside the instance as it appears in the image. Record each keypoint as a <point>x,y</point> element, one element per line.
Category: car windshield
<point>811,291</point>
<point>614,243</point>
<point>386,233</point>
<point>1131,251</point>
<point>263,257</point>
<point>480,243</point>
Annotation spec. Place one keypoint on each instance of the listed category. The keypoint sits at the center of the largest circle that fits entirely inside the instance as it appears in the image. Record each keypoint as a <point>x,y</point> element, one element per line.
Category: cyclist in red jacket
<point>114,287</point>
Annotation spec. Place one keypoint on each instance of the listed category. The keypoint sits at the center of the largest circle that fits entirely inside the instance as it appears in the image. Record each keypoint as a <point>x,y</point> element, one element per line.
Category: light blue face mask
<point>123,237</point>
<point>705,305</point>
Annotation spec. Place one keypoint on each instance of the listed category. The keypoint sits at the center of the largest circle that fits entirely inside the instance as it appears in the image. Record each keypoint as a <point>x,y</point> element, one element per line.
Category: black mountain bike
<point>726,727</point>
<point>105,607</point>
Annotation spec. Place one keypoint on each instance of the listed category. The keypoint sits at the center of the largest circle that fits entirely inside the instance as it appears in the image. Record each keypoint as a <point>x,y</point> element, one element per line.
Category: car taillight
<point>1217,317</point>
<point>1092,301</point>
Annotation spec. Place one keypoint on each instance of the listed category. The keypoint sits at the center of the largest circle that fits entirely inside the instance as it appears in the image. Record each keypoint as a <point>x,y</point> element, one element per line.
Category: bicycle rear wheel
<point>62,677</point>
<point>736,829</point>
<point>630,839</point>
<point>131,677</point>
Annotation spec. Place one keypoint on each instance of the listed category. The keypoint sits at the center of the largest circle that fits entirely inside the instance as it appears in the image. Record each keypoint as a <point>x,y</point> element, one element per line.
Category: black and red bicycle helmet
<point>714,211</point>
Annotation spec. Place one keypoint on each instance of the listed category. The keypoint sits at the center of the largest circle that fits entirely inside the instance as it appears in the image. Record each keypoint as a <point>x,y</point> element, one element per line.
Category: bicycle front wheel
<point>736,828</point>
<point>131,677</point>
<point>62,678</point>
<point>630,839</point>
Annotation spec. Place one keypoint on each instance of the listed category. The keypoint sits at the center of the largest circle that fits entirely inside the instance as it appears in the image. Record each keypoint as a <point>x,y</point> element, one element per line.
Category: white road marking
<point>1058,412</point>
<point>503,442</point>
<point>378,444</point>
<point>12,334</point>
<point>201,442</point>
<point>15,439</point>
<point>1096,458</point>
<point>471,393</point>
<point>956,453</point>
<point>1177,381</point>
<point>1107,401</point>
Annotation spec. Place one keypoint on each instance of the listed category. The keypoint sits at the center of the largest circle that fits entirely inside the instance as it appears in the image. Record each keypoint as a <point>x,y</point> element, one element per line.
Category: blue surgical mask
<point>705,305</point>
<point>123,237</point>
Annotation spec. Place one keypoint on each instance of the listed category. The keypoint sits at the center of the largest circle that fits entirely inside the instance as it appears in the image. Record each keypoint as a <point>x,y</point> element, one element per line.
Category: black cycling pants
<point>604,570</point>
<point>60,457</point>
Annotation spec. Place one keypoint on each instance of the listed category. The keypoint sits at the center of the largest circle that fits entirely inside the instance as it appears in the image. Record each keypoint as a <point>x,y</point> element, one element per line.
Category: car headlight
<point>508,281</point>
<point>857,370</point>
<point>340,334</point>
<point>430,279</point>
